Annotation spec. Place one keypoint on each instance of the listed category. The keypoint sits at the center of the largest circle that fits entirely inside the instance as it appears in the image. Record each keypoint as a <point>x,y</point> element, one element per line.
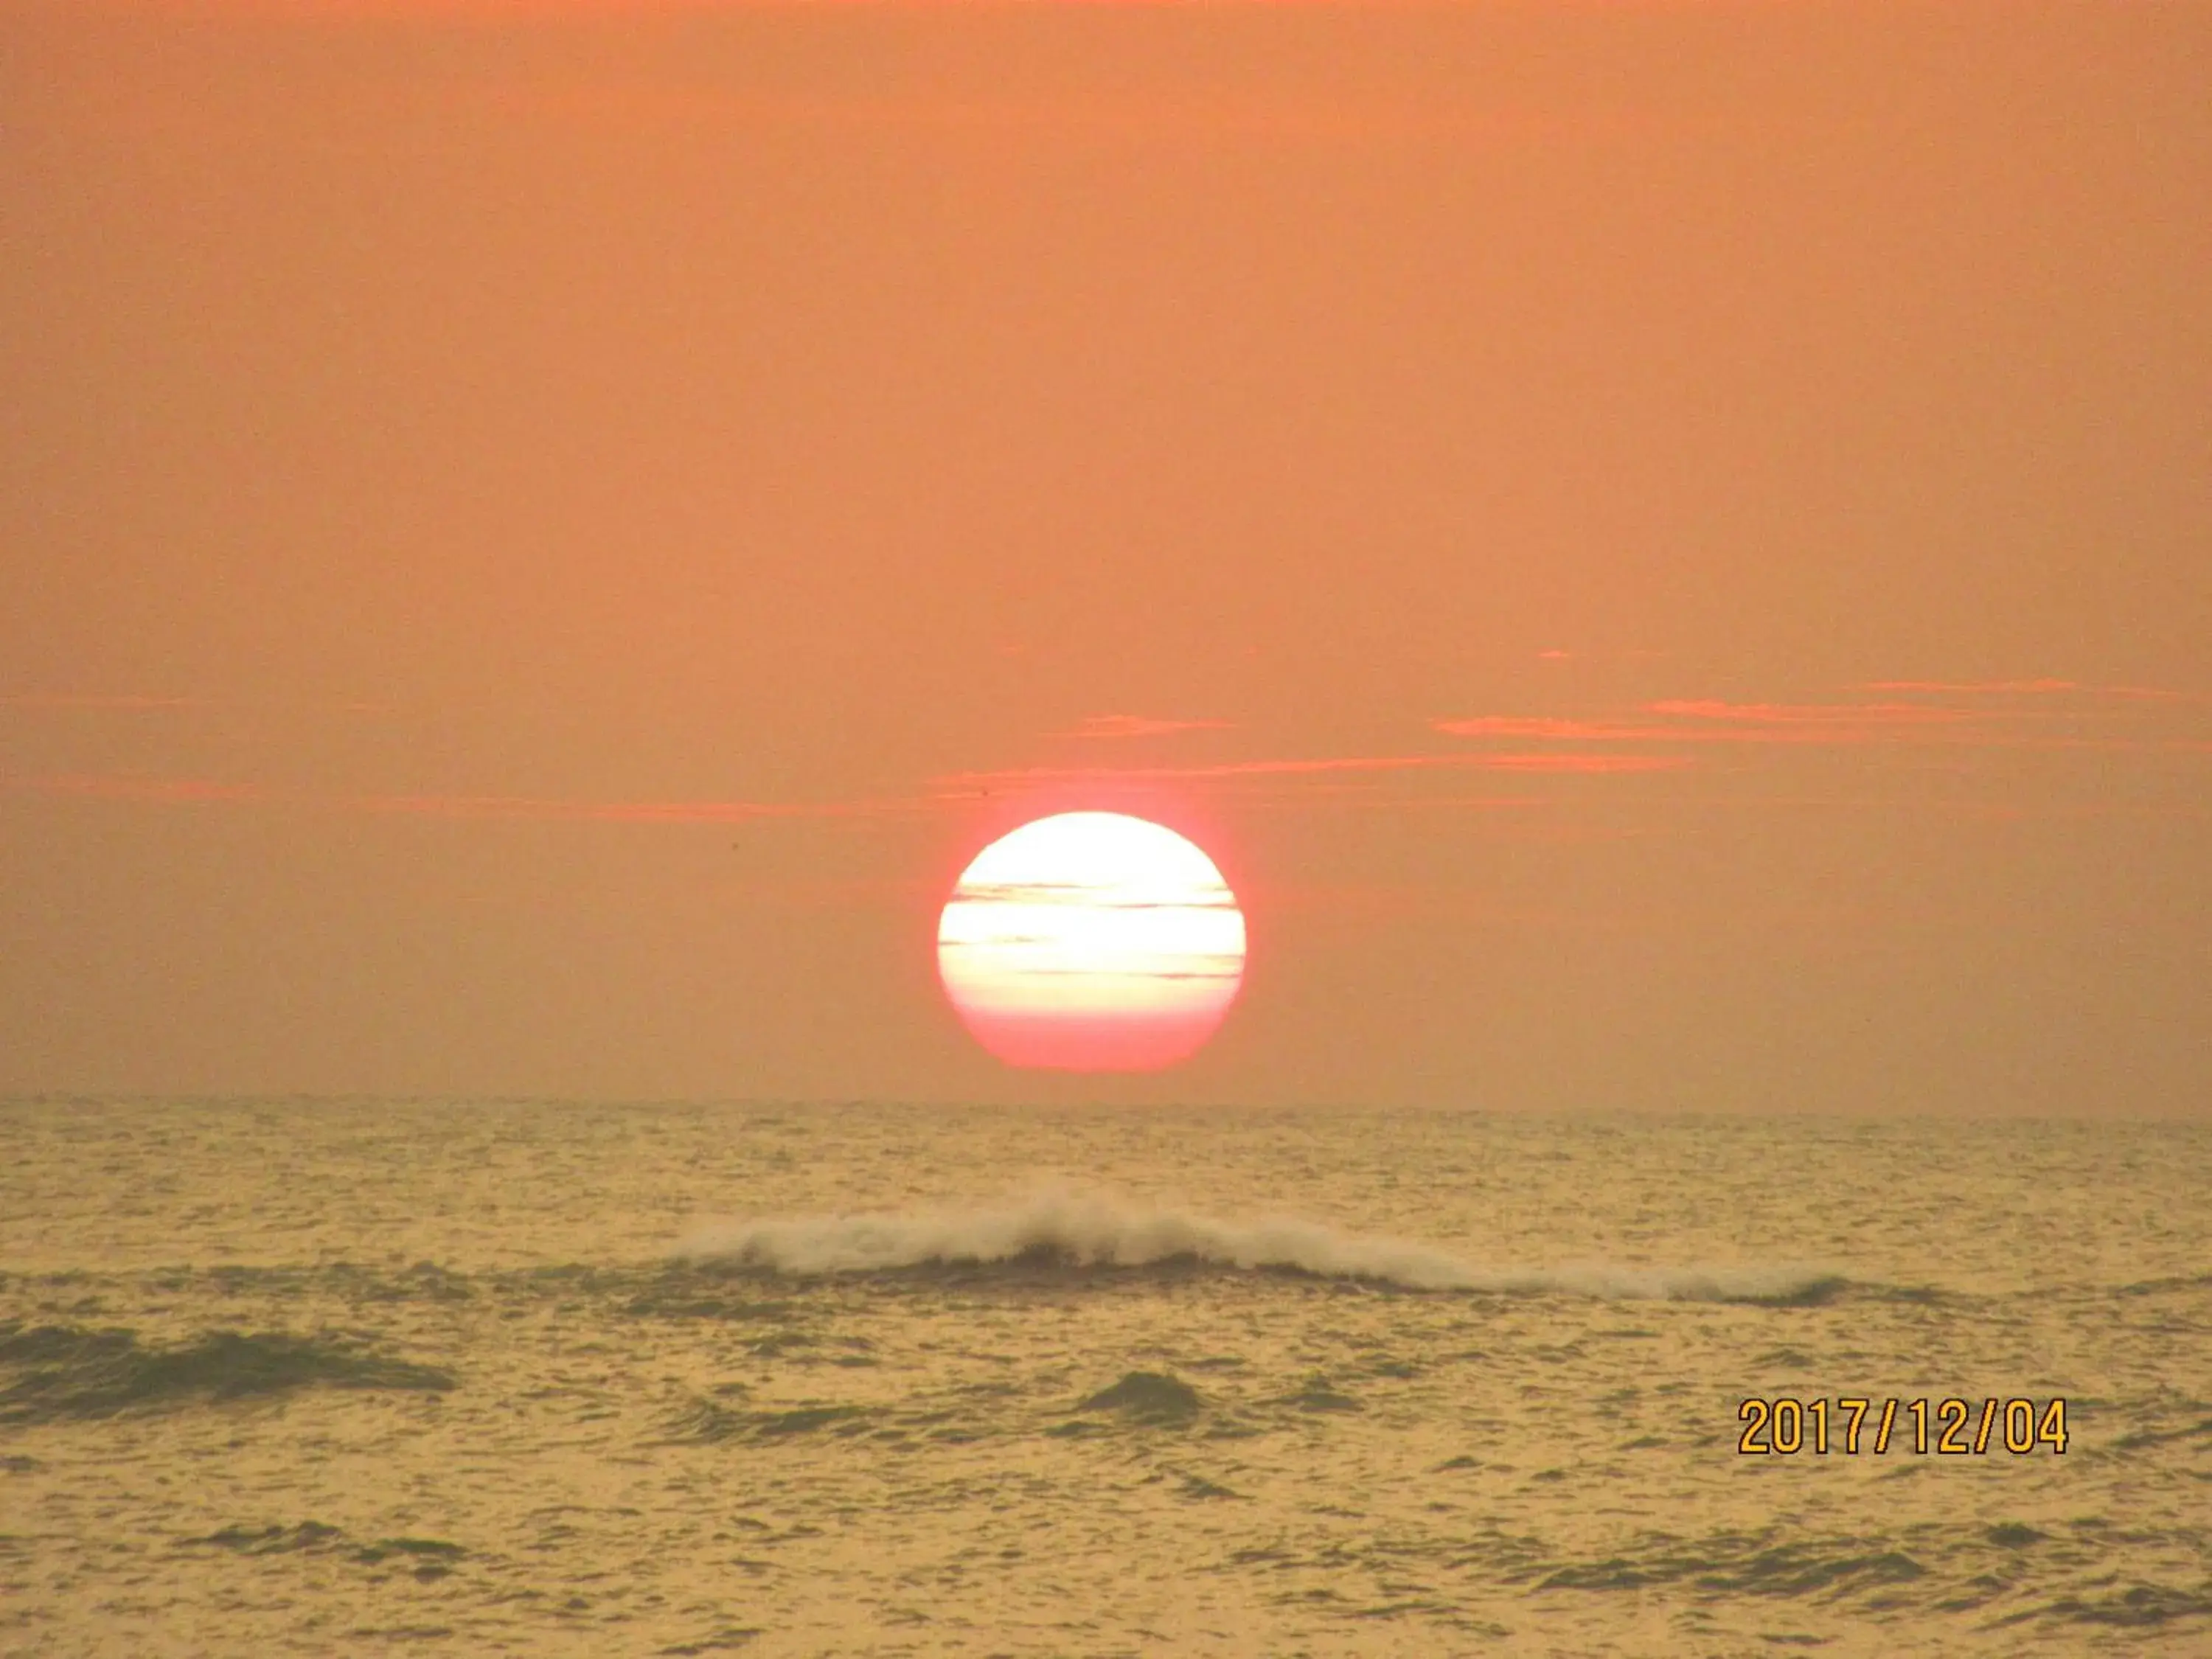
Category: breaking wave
<point>1100,1231</point>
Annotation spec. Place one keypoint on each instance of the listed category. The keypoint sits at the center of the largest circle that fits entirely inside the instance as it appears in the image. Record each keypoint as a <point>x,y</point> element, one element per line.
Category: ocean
<point>350,1377</point>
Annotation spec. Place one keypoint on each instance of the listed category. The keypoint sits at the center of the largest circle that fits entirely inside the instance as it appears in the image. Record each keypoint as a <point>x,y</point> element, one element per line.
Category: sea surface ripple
<point>303,1376</point>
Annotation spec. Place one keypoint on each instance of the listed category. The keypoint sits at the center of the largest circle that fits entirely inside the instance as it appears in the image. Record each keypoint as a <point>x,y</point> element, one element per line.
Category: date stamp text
<point>1785,1427</point>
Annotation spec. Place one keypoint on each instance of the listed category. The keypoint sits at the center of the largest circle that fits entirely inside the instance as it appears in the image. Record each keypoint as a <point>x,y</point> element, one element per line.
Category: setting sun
<point>1091,941</point>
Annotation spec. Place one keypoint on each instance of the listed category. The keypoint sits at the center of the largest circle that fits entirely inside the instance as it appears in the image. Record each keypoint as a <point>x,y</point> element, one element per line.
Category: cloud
<point>1540,726</point>
<point>610,811</point>
<point>640,811</point>
<point>1584,763</point>
<point>1014,776</point>
<point>192,790</point>
<point>2020,688</point>
<point>1101,895</point>
<point>1809,713</point>
<point>1946,713</point>
<point>1712,721</point>
<point>1137,726</point>
<point>953,791</point>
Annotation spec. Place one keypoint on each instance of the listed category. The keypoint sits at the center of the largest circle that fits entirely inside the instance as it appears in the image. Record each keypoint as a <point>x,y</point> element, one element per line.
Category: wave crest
<point>1099,1231</point>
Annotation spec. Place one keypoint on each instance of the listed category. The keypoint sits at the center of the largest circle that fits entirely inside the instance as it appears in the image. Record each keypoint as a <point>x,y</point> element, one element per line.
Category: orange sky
<point>1666,551</point>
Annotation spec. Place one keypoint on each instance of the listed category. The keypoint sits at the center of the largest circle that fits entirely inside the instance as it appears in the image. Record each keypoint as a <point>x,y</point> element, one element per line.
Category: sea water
<point>326,1377</point>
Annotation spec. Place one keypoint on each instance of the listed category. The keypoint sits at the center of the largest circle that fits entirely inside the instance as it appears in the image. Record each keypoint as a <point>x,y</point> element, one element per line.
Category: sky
<point>1664,551</point>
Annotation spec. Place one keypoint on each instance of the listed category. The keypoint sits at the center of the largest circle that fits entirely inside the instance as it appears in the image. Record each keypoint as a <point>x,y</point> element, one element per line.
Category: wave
<point>66,1371</point>
<point>1096,1230</point>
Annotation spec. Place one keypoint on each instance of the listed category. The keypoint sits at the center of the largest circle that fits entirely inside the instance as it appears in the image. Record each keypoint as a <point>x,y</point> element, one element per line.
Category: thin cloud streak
<point>513,807</point>
<point>1980,724</point>
<point>953,793</point>
<point>2023,688</point>
<point>199,791</point>
<point>1137,726</point>
<point>1362,764</point>
<point>1594,763</point>
<point>1715,722</point>
<point>1809,713</point>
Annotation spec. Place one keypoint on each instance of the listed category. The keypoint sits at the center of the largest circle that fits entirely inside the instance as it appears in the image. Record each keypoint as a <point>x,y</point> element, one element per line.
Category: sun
<point>1091,942</point>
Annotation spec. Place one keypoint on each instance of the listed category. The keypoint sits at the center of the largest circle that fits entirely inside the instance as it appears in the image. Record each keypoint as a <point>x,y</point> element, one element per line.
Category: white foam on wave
<point>1100,1230</point>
